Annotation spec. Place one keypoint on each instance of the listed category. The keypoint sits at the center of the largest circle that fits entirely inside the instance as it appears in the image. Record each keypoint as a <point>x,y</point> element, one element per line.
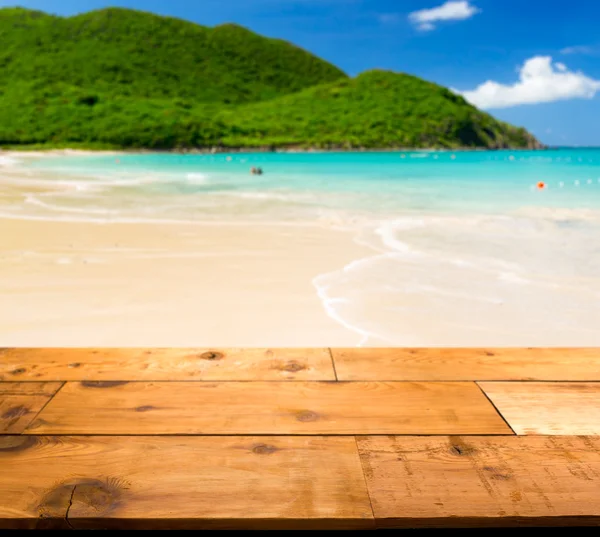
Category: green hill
<point>120,52</point>
<point>130,79</point>
<point>376,109</point>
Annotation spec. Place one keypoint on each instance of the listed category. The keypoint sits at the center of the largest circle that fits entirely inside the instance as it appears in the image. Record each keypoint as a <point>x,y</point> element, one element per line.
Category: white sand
<point>78,284</point>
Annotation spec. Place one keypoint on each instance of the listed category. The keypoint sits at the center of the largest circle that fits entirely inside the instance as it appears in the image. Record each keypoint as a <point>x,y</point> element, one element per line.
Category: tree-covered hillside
<point>130,79</point>
<point>376,109</point>
<point>120,52</point>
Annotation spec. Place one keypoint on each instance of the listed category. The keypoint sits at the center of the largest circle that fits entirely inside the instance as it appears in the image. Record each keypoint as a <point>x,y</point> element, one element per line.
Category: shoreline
<point>323,281</point>
<point>250,150</point>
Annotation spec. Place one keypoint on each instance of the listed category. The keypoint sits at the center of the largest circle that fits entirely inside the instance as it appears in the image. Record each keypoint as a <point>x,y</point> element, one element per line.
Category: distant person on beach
<point>256,171</point>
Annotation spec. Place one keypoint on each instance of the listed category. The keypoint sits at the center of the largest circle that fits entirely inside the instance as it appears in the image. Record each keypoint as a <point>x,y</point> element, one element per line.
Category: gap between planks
<point>496,408</point>
<point>208,381</point>
<point>47,402</point>
<point>20,405</point>
<point>333,364</point>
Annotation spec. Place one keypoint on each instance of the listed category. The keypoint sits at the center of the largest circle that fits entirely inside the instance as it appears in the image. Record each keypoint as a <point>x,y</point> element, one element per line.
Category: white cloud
<point>540,81</point>
<point>578,50</point>
<point>453,10</point>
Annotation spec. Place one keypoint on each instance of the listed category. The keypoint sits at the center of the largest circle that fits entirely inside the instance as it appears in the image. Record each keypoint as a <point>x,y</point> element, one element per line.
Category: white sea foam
<point>78,186</point>
<point>8,162</point>
<point>34,200</point>
<point>329,303</point>
<point>388,233</point>
<point>122,219</point>
<point>266,196</point>
<point>428,273</point>
<point>198,178</point>
<point>324,282</point>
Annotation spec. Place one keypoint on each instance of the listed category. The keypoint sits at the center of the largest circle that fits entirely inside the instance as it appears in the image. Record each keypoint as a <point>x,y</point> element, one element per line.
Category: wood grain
<point>558,408</point>
<point>166,364</point>
<point>171,482</point>
<point>482,481</point>
<point>269,408</point>
<point>20,402</point>
<point>29,388</point>
<point>467,364</point>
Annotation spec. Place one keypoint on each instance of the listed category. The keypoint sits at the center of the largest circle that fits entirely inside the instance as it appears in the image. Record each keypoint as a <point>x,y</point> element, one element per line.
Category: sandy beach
<point>76,284</point>
<point>331,250</point>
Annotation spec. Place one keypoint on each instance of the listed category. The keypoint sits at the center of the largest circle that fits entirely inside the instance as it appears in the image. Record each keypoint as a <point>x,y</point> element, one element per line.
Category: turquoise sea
<point>463,236</point>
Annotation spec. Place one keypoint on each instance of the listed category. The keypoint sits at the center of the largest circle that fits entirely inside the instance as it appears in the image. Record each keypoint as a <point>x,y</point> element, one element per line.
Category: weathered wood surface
<point>436,364</point>
<point>548,408</point>
<point>20,403</point>
<point>450,475</point>
<point>29,388</point>
<point>467,364</point>
<point>165,364</point>
<point>192,482</point>
<point>269,408</point>
<point>482,481</point>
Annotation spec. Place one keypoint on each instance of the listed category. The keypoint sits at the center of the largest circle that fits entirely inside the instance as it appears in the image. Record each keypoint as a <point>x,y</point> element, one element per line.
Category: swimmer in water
<point>256,171</point>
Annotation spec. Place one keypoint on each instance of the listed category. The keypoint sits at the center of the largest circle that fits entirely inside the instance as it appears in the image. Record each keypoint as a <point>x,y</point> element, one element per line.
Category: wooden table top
<point>299,438</point>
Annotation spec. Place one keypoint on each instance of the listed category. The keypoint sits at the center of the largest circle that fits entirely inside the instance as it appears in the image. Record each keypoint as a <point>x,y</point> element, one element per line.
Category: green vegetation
<point>376,109</point>
<point>128,79</point>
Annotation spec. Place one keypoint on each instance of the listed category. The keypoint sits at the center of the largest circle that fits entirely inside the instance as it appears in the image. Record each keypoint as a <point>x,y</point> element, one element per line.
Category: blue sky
<point>461,45</point>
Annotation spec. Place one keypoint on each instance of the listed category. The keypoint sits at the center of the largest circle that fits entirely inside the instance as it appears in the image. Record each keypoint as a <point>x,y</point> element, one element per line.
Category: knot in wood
<point>264,449</point>
<point>211,356</point>
<point>293,367</point>
<point>307,416</point>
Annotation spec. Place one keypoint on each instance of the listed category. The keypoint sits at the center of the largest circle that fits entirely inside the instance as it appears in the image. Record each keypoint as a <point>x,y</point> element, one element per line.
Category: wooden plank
<point>17,411</point>
<point>20,403</point>
<point>548,408</point>
<point>29,388</point>
<point>467,364</point>
<point>175,482</point>
<point>482,481</point>
<point>269,408</point>
<point>166,364</point>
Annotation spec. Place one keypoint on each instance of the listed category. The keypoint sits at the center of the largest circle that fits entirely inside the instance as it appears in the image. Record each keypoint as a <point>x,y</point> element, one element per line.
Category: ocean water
<point>463,241</point>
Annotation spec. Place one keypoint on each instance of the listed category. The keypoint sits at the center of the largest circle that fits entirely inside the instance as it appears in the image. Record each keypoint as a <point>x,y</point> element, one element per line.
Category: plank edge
<point>458,522</point>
